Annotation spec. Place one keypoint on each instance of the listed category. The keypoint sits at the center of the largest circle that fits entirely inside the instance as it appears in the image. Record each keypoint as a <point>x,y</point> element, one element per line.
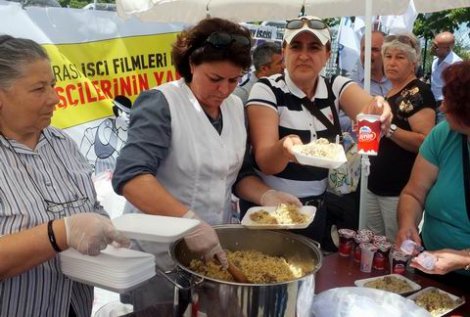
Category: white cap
<point>323,35</point>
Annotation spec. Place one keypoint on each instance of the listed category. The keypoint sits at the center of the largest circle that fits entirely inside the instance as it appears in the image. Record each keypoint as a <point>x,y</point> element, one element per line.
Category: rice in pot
<point>259,268</point>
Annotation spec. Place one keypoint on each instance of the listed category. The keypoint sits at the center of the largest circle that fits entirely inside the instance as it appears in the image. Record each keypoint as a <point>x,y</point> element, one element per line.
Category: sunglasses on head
<point>223,40</point>
<point>313,24</point>
<point>402,39</point>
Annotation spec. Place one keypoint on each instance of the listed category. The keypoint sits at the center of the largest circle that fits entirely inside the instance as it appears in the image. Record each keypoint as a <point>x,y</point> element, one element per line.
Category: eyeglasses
<point>223,39</point>
<point>313,24</point>
<point>404,39</point>
<point>52,206</point>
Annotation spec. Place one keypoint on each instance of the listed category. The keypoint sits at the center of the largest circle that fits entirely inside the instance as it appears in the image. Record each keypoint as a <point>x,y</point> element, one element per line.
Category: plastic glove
<point>273,198</point>
<point>89,233</point>
<point>204,240</point>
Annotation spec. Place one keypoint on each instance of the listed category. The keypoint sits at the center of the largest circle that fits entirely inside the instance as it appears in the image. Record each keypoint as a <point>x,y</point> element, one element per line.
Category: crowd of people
<point>194,142</point>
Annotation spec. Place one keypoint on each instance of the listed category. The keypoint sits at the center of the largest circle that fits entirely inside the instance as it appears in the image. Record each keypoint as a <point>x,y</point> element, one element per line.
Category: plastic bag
<point>363,302</point>
<point>344,179</point>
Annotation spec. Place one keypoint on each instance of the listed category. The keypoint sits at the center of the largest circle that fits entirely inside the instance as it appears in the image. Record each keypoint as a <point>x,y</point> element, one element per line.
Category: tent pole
<point>365,159</point>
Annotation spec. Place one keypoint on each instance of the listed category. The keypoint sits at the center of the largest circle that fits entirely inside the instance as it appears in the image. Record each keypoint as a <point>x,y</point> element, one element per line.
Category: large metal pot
<point>222,298</point>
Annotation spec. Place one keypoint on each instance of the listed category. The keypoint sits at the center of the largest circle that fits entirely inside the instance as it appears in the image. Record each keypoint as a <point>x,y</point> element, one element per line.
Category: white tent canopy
<point>191,11</point>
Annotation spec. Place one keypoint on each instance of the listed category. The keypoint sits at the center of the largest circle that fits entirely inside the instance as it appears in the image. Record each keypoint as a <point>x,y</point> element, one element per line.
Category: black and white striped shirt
<point>56,171</point>
<point>279,93</point>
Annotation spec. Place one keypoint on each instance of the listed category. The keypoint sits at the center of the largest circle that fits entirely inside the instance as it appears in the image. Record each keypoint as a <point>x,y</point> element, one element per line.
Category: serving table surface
<point>338,271</point>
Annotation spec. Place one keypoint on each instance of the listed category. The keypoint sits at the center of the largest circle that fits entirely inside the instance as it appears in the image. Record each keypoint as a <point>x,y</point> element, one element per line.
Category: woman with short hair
<point>439,183</point>
<point>413,106</point>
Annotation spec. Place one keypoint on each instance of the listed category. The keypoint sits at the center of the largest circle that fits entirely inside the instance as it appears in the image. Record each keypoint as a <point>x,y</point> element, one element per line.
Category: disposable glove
<point>89,233</point>
<point>204,240</point>
<point>273,198</point>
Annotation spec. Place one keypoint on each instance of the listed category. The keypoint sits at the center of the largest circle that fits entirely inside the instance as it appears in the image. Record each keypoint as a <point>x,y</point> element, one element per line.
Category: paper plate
<point>309,211</point>
<point>317,161</point>
<point>154,228</point>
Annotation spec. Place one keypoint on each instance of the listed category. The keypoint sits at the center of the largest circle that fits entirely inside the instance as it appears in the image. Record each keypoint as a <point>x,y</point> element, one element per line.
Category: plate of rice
<point>437,301</point>
<point>283,216</point>
<point>320,153</point>
<point>394,283</point>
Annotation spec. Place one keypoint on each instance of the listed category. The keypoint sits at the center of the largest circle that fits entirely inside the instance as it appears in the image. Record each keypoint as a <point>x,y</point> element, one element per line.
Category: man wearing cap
<point>299,106</point>
<point>441,48</point>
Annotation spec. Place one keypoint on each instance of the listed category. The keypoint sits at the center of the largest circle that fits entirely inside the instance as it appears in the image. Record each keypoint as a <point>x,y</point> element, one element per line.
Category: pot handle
<point>189,281</point>
<point>309,241</point>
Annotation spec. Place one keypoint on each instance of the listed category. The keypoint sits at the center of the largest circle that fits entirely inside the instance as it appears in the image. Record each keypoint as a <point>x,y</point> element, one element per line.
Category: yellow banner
<point>89,75</point>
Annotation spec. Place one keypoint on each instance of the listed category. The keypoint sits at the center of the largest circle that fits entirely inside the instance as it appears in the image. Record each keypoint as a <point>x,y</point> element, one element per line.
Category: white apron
<point>201,165</point>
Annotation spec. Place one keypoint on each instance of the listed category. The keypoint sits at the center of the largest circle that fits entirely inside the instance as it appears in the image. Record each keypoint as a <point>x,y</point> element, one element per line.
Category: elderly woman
<point>439,184</point>
<point>300,106</point>
<point>413,107</point>
<point>48,202</point>
<point>187,143</point>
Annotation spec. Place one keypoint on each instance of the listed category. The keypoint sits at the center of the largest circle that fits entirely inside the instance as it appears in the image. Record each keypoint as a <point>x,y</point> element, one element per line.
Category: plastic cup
<point>426,260</point>
<point>398,260</point>
<point>360,238</point>
<point>346,241</point>
<point>378,238</point>
<point>409,247</point>
<point>381,256</point>
<point>367,256</point>
<point>368,137</point>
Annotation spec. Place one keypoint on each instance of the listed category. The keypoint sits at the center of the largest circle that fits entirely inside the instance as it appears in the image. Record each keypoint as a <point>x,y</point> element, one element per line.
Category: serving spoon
<point>238,275</point>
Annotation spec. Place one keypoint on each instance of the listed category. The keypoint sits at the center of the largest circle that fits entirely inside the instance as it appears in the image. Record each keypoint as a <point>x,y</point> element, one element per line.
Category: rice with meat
<point>435,302</point>
<point>321,148</point>
<point>284,214</point>
<point>258,267</point>
<point>391,284</point>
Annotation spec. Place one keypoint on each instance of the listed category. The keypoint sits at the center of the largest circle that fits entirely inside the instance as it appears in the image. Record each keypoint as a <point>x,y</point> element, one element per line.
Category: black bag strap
<point>310,105</point>
<point>466,170</point>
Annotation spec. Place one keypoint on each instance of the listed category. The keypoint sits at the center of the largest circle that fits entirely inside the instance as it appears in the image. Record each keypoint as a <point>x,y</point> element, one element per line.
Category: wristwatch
<point>391,131</point>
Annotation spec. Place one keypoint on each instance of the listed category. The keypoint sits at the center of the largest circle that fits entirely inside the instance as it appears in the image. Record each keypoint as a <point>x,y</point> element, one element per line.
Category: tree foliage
<point>428,25</point>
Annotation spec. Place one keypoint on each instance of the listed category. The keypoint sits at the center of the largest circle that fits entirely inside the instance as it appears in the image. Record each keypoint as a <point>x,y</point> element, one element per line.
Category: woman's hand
<point>273,198</point>
<point>447,260</point>
<point>380,106</point>
<point>204,240</point>
<point>407,233</point>
<point>89,233</point>
<point>288,143</point>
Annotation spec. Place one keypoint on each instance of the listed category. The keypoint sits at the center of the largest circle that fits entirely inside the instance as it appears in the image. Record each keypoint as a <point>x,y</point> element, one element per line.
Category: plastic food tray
<point>320,161</point>
<point>306,210</point>
<point>415,287</point>
<point>459,301</point>
<point>154,228</point>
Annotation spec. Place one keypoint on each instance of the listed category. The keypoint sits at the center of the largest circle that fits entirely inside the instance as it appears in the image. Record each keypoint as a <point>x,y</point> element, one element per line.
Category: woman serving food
<point>186,145</point>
